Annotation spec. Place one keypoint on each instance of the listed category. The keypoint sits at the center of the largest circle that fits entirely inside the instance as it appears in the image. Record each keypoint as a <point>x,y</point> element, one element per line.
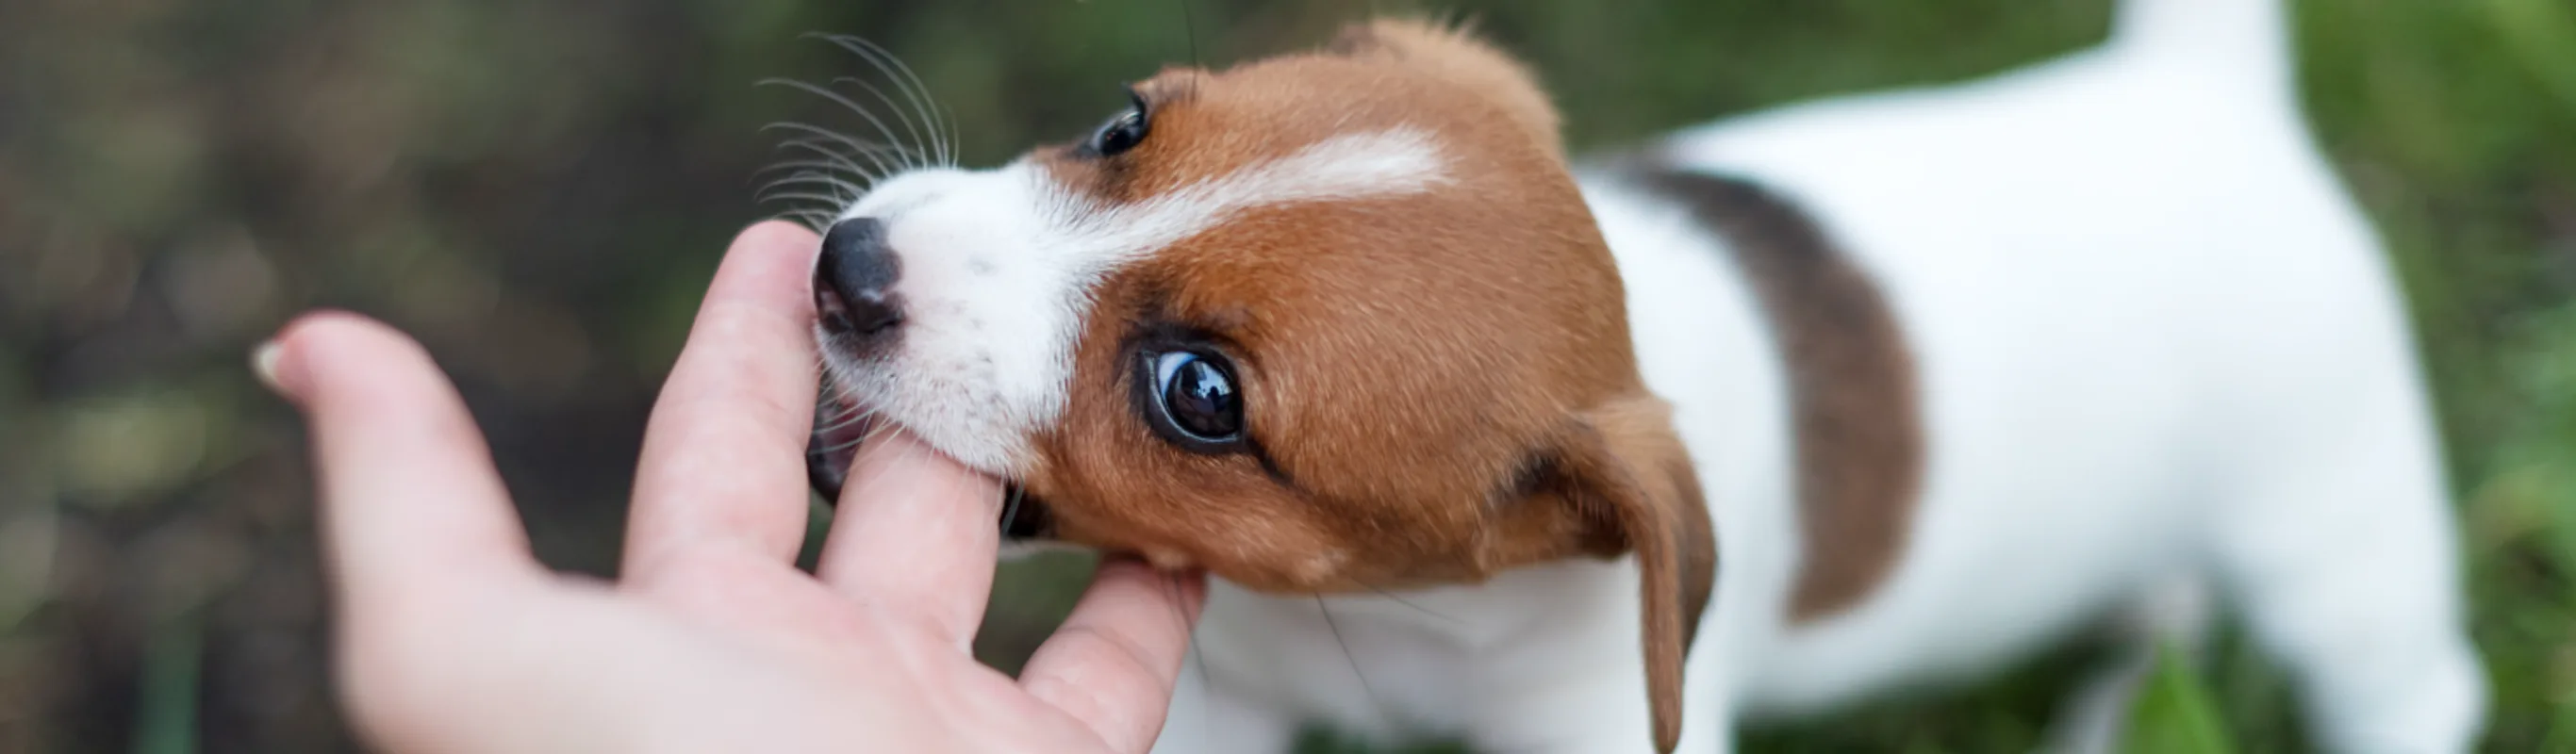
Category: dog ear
<point>1451,51</point>
<point>1628,478</point>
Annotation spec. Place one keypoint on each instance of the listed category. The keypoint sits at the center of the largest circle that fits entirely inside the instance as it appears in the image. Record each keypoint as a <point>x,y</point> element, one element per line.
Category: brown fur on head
<point>1424,327</point>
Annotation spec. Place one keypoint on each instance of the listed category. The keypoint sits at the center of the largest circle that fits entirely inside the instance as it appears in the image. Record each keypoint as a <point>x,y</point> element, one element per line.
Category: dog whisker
<point>808,213</point>
<point>1190,31</point>
<point>847,422</point>
<point>813,219</point>
<point>1011,504</point>
<point>833,165</point>
<point>788,195</point>
<point>1336,628</point>
<point>799,179</point>
<point>877,432</point>
<point>848,166</point>
<point>853,106</point>
<point>1407,603</point>
<point>854,443</point>
<point>837,157</point>
<point>770,189</point>
<point>790,168</point>
<point>848,192</point>
<point>883,159</point>
<point>841,425</point>
<point>922,139</point>
<point>873,434</point>
<point>1197,658</point>
<point>873,150</point>
<point>943,131</point>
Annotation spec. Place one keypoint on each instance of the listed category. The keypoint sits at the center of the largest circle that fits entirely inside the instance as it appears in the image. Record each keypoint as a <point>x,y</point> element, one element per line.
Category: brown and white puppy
<point>1953,373</point>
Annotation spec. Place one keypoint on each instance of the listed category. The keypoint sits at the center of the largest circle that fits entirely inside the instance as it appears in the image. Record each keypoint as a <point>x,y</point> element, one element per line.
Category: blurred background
<point>539,189</point>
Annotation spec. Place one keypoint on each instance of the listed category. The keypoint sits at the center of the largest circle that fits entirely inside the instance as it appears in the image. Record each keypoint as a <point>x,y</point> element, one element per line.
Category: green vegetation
<point>539,190</point>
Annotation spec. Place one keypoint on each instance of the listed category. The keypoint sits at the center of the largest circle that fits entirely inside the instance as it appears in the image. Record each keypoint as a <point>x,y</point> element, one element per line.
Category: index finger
<point>724,454</point>
<point>915,531</point>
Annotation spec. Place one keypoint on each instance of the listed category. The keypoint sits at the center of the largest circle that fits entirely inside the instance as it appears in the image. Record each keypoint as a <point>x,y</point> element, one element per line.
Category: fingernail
<point>263,362</point>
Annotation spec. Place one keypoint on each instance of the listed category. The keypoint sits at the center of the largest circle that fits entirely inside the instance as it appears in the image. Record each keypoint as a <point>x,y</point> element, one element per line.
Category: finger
<point>411,506</point>
<point>1113,664</point>
<point>916,533</point>
<point>724,455</point>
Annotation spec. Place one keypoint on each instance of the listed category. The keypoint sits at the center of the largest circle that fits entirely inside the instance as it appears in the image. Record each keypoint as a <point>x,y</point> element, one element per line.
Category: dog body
<point>2157,350</point>
<point>1943,376</point>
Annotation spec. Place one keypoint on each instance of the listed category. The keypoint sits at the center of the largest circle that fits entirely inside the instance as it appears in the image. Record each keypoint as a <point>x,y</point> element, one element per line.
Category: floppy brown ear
<point>1627,473</point>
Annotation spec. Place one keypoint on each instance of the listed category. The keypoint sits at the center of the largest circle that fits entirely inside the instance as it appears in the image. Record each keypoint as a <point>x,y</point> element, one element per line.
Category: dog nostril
<point>854,280</point>
<point>858,313</point>
<point>828,306</point>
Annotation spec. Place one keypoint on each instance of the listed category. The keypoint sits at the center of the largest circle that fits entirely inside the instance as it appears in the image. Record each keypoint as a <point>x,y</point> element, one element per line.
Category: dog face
<point>1325,322</point>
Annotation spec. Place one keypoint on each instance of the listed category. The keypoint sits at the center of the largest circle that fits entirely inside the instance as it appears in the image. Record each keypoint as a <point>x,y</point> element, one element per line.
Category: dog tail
<point>2247,38</point>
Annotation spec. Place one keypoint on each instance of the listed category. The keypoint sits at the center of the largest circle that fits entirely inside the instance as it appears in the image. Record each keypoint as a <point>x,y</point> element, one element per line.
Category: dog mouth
<point>841,427</point>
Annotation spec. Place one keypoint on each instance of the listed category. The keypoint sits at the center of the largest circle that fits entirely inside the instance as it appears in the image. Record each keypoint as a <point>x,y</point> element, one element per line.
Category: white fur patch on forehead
<point>1346,167</point>
<point>998,268</point>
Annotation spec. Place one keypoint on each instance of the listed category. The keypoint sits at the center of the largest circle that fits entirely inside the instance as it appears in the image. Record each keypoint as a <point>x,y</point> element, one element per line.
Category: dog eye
<point>1197,397</point>
<point>1121,133</point>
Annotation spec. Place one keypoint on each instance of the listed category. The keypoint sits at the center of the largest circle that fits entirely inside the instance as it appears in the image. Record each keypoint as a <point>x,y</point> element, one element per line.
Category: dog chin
<point>841,426</point>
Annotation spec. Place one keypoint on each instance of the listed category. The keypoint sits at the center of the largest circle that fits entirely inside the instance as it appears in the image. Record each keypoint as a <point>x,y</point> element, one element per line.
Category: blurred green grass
<point>538,189</point>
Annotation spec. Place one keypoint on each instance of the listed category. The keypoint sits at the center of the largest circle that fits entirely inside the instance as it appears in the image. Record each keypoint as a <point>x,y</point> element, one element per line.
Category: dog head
<point>1324,322</point>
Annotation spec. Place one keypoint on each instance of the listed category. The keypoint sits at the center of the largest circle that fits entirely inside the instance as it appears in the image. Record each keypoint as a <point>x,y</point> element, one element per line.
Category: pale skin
<point>454,638</point>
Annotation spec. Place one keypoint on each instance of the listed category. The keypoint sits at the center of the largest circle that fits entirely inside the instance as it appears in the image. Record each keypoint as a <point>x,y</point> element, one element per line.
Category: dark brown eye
<point>1121,133</point>
<point>1197,398</point>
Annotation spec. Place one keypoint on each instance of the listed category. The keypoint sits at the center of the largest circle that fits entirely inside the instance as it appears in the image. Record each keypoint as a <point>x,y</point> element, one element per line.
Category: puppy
<point>1466,431</point>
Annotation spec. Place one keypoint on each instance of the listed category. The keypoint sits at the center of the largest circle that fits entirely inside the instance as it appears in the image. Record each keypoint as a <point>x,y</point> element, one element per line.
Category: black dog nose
<point>854,280</point>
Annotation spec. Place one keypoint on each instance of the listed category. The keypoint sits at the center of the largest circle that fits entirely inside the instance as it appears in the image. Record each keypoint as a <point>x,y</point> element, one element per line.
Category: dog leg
<point>2344,563</point>
<point>2095,718</point>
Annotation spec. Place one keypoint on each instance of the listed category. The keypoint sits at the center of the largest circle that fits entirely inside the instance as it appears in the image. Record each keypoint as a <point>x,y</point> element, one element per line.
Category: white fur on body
<point>2156,342</point>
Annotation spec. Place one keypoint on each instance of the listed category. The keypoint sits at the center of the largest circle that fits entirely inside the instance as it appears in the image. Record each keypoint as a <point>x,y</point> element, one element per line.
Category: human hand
<point>453,638</point>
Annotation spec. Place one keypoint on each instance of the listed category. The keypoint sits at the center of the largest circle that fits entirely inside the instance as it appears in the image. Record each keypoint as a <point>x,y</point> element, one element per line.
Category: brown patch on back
<point>1851,382</point>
